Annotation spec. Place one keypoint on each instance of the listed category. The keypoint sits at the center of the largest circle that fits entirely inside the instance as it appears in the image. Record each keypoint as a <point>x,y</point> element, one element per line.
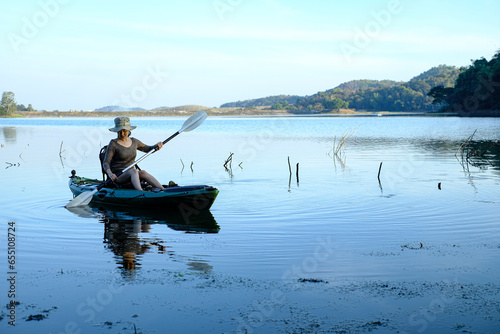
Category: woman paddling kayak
<point>121,153</point>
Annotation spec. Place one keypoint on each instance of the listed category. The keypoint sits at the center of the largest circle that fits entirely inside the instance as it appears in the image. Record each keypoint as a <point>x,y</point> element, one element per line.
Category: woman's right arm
<point>106,165</point>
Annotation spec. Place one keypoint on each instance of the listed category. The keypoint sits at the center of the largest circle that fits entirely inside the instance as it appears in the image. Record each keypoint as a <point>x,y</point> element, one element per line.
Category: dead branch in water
<point>12,165</point>
<point>337,148</point>
<point>20,154</point>
<point>229,161</point>
<point>378,177</point>
<point>297,173</point>
<point>61,149</point>
<point>471,156</point>
<point>228,165</point>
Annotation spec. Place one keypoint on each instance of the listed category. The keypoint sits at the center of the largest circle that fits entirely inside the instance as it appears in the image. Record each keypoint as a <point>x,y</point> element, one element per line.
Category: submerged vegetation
<point>337,147</point>
<point>477,154</point>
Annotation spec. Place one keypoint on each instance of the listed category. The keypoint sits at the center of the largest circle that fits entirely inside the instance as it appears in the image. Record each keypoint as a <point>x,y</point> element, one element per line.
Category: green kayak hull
<point>197,197</point>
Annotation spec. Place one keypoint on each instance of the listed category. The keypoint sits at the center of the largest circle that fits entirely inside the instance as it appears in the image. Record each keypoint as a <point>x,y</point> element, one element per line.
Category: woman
<point>121,153</point>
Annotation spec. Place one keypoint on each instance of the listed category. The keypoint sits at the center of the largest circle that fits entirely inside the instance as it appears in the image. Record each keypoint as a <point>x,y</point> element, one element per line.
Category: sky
<point>83,55</point>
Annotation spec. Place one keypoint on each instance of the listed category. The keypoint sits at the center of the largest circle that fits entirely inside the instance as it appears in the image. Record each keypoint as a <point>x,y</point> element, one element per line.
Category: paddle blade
<point>82,199</point>
<point>194,121</point>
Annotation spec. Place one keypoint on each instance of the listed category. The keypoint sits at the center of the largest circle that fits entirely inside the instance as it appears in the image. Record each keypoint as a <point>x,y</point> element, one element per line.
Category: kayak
<point>197,197</point>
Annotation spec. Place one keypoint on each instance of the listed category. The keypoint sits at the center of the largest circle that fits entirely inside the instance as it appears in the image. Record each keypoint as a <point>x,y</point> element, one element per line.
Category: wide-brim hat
<point>122,123</point>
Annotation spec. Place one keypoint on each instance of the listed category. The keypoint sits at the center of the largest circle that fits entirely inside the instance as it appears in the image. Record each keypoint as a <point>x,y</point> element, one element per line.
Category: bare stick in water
<point>60,149</point>
<point>379,169</point>
<point>297,173</point>
<point>228,161</point>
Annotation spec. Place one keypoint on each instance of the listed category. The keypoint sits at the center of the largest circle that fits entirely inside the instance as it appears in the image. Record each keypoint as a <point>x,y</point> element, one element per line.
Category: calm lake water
<point>430,216</point>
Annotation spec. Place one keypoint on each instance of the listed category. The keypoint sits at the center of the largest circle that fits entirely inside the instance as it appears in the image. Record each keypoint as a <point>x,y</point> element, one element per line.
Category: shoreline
<point>235,113</point>
<point>252,112</point>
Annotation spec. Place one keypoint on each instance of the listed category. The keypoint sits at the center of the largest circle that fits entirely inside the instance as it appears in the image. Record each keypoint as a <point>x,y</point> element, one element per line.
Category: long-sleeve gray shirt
<point>119,157</point>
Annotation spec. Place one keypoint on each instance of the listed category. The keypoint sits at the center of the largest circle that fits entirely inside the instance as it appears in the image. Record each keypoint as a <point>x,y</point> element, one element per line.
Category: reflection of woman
<point>122,237</point>
<point>121,153</point>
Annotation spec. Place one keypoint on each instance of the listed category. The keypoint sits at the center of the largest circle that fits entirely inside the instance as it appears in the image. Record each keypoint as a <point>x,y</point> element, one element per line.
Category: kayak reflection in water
<point>127,233</point>
<point>121,153</point>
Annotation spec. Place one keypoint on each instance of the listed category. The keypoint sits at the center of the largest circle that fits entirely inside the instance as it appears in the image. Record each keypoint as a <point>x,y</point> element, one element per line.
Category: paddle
<point>190,124</point>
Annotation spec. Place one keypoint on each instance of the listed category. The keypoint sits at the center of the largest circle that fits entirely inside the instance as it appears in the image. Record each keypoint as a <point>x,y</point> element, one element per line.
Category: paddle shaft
<point>148,154</point>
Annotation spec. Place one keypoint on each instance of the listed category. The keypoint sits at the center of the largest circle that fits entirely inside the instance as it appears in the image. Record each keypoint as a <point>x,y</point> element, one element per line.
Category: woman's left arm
<point>146,148</point>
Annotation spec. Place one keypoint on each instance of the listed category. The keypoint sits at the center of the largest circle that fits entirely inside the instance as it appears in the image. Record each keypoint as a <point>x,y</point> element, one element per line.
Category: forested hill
<point>355,85</point>
<point>386,95</point>
<point>373,95</point>
<point>265,101</point>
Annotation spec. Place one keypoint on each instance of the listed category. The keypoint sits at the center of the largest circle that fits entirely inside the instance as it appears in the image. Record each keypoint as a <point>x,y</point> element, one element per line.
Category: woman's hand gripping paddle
<point>190,124</point>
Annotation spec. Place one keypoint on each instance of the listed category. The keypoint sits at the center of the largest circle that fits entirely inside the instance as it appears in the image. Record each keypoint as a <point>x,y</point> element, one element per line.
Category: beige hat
<point>122,123</point>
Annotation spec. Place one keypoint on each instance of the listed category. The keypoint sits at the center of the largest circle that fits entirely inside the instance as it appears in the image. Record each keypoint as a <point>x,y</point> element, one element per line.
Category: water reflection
<point>9,134</point>
<point>124,230</point>
<point>122,237</point>
<point>483,154</point>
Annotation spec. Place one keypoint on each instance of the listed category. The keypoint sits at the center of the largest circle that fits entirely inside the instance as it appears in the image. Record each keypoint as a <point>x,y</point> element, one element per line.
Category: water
<point>430,218</point>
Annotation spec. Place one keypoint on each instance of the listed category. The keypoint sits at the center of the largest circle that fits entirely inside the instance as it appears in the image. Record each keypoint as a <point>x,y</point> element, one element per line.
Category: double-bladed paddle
<point>190,124</point>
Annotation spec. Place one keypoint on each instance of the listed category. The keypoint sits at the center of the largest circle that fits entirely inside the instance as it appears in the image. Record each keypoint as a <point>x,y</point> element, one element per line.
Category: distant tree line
<point>21,107</point>
<point>477,88</point>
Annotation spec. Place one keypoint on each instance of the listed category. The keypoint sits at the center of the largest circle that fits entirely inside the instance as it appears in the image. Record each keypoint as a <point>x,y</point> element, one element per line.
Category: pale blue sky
<point>82,55</point>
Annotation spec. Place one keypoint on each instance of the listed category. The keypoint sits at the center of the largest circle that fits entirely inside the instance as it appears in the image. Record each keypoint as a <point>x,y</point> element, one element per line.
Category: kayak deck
<point>198,197</point>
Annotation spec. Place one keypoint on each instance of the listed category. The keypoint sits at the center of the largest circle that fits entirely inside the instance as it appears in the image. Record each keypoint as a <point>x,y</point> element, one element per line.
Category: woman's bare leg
<point>131,175</point>
<point>143,175</point>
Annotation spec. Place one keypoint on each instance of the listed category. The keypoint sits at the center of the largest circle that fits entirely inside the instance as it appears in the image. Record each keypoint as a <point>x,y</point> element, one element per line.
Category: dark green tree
<point>440,94</point>
<point>476,88</point>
